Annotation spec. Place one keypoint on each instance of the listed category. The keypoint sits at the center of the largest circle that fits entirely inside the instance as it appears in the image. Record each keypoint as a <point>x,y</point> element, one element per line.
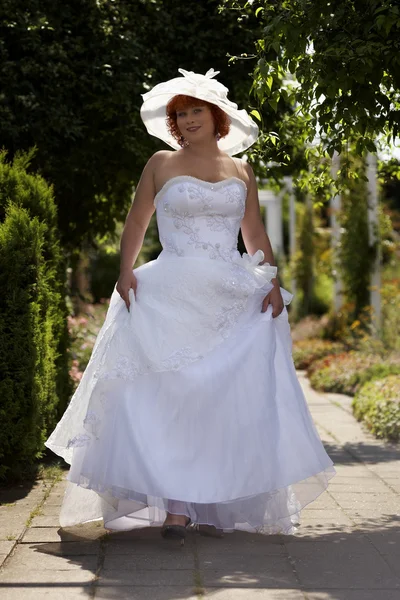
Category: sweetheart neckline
<point>210,183</point>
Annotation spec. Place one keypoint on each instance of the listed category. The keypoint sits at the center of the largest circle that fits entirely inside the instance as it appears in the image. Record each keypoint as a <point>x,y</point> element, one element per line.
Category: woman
<point>190,410</point>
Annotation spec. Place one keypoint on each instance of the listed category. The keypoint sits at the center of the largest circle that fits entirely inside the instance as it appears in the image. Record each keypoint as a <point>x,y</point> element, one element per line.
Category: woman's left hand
<point>275,299</point>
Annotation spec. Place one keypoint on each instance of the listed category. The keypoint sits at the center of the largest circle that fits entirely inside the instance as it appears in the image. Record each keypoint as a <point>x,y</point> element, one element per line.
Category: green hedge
<point>34,380</point>
<point>377,404</point>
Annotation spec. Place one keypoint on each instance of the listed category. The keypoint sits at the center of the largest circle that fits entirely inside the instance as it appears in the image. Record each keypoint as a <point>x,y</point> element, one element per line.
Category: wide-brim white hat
<point>243,130</point>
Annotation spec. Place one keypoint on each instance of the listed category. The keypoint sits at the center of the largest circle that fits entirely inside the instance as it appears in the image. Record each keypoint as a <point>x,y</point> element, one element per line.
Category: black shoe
<point>210,531</point>
<point>175,532</point>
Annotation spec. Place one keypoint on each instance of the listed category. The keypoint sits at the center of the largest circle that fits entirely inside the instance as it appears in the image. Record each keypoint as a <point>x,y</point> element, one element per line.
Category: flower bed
<point>345,373</point>
<point>305,352</point>
<point>377,404</point>
<point>83,331</point>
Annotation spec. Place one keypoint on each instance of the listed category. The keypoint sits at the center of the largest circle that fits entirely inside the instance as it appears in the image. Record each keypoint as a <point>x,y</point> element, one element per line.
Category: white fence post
<point>292,226</point>
<point>335,208</point>
<point>373,234</point>
<point>273,219</point>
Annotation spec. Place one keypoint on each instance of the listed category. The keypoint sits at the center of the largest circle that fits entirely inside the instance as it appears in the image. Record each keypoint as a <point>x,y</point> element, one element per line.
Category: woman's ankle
<point>172,519</point>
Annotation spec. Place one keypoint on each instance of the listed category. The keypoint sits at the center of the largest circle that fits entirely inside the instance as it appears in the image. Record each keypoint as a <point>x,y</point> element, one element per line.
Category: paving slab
<point>346,545</point>
<point>129,592</point>
<point>56,497</point>
<point>237,563</point>
<point>64,549</point>
<point>394,485</point>
<point>151,561</point>
<point>240,543</point>
<point>168,577</point>
<point>17,504</point>
<point>38,592</point>
<point>45,521</point>
<point>315,517</point>
<point>270,572</point>
<point>324,502</point>
<point>25,579</point>
<point>253,593</point>
<point>6,546</point>
<point>393,560</point>
<point>29,559</point>
<point>341,569</point>
<point>12,526</point>
<point>50,510</point>
<point>355,472</point>
<point>56,534</point>
<point>386,542</point>
<point>346,594</point>
<point>366,512</point>
<point>329,534</point>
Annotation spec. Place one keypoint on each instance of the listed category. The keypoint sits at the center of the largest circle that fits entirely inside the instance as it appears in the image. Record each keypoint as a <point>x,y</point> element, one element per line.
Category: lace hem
<point>269,513</point>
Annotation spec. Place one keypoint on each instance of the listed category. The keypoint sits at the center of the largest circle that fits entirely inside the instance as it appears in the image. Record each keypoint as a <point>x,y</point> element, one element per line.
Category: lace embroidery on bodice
<point>200,218</point>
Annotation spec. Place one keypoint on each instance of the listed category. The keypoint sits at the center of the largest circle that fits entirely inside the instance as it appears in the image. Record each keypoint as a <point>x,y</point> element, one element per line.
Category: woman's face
<point>196,123</point>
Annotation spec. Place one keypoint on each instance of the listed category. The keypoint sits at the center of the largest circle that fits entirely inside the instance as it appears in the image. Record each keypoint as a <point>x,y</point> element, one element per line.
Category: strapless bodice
<point>200,218</point>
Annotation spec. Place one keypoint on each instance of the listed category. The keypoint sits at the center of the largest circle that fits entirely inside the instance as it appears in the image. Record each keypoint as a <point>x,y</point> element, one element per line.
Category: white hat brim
<point>243,130</point>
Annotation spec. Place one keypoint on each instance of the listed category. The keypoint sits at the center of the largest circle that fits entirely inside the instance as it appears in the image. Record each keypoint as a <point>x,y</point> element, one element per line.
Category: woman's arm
<point>255,237</point>
<point>135,227</point>
<point>138,218</point>
<point>252,227</point>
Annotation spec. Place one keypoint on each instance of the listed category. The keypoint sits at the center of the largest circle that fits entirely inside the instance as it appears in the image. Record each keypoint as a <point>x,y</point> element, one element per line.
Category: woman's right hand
<point>126,281</point>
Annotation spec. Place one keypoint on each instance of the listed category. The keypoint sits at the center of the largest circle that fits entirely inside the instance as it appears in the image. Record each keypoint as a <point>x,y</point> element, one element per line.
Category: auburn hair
<point>182,102</point>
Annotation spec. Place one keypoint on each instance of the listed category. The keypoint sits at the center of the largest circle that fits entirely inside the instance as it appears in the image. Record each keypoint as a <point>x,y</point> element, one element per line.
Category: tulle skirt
<point>190,404</point>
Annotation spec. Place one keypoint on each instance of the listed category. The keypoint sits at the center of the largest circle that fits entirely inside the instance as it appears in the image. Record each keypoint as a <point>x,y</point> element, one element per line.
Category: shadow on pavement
<point>326,561</point>
<point>361,452</point>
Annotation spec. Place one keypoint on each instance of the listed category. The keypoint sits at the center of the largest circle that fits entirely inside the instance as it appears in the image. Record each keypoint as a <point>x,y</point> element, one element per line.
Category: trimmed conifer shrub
<point>34,381</point>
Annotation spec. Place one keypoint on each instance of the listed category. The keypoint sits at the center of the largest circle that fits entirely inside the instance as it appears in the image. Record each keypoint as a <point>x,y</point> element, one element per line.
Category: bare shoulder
<point>245,170</point>
<point>160,158</point>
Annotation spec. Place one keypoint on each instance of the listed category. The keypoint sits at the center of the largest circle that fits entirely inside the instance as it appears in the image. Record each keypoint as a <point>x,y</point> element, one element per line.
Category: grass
<point>51,474</point>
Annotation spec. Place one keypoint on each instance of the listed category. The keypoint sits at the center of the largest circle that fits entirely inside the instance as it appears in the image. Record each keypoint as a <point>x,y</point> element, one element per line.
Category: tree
<point>344,59</point>
<point>71,75</point>
<point>71,79</point>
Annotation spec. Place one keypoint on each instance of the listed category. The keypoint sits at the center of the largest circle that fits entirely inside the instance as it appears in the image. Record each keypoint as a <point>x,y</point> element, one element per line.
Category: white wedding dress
<point>190,402</point>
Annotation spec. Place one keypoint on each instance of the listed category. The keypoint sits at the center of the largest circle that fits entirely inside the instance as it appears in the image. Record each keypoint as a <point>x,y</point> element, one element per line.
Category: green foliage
<point>83,330</point>
<point>333,68</point>
<point>344,373</point>
<point>391,314</point>
<point>311,264</point>
<point>377,404</point>
<point>34,381</point>
<point>322,294</point>
<point>305,352</point>
<point>355,255</point>
<point>104,271</point>
<point>151,247</point>
<point>389,178</point>
<point>304,261</point>
<point>339,325</point>
<point>104,259</point>
<point>72,78</point>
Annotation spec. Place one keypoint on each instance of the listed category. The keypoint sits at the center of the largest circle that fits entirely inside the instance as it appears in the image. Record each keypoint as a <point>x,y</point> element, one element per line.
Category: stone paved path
<point>347,548</point>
